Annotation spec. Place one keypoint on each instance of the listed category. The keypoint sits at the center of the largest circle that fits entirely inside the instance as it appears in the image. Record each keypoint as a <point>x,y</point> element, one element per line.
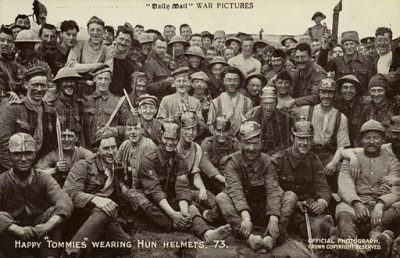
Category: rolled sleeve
<point>343,139</point>
<point>347,188</point>
<point>205,163</point>
<point>151,184</point>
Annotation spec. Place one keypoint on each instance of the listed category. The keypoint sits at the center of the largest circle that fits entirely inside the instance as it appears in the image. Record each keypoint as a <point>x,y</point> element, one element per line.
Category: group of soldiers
<point>199,132</point>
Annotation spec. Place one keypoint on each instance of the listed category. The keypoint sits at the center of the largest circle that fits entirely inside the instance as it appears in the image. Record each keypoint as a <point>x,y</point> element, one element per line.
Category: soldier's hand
<point>180,220</point>
<point>170,80</point>
<point>376,216</point>
<point>390,180</point>
<point>23,233</point>
<point>273,227</point>
<point>330,168</point>
<point>220,178</point>
<point>366,100</point>
<point>106,205</point>
<point>325,42</point>
<point>264,69</point>
<point>42,229</point>
<point>289,104</point>
<point>317,208</point>
<point>203,194</point>
<point>362,212</point>
<point>384,189</point>
<point>303,206</point>
<point>355,168</point>
<point>12,96</point>
<point>62,165</point>
<point>245,228</point>
<point>172,65</point>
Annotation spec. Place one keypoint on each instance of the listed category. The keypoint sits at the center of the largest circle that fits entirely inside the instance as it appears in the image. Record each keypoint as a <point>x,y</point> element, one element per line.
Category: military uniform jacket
<point>215,154</point>
<point>18,118</point>
<point>69,111</point>
<point>22,203</point>
<point>87,179</point>
<point>163,177</point>
<point>96,112</point>
<point>250,184</point>
<point>305,177</point>
<point>275,133</point>
<point>305,90</point>
<point>343,65</point>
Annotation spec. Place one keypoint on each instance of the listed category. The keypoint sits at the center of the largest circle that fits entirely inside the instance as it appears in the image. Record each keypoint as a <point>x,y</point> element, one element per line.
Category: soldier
<point>206,39</point>
<point>318,30</point>
<point>33,206</point>
<point>232,103</point>
<point>234,43</point>
<point>199,83</point>
<point>174,105</point>
<point>252,194</point>
<point>253,85</point>
<point>216,86</point>
<point>164,176</point>
<point>31,115</point>
<point>98,107</point>
<point>301,177</point>
<point>176,48</point>
<point>147,110</point>
<point>138,84</point>
<point>94,187</point>
<point>245,61</point>
<point>196,57</point>
<point>331,134</point>
<point>275,124</point>
<point>364,201</point>
<point>369,47</point>
<point>215,152</point>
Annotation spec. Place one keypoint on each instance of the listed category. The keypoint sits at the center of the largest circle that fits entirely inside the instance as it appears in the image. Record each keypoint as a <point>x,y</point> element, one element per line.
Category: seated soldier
<point>164,176</point>
<point>32,205</point>
<point>58,165</point>
<point>366,211</point>
<point>252,194</point>
<point>191,153</point>
<point>94,187</point>
<point>301,176</point>
<point>215,152</point>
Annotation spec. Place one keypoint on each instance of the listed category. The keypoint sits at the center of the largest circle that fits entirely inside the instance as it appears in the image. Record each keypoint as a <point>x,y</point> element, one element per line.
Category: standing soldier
<point>31,115</point>
<point>32,205</point>
<point>318,30</point>
<point>252,195</point>
<point>138,84</point>
<point>147,110</point>
<point>301,176</point>
<point>253,85</point>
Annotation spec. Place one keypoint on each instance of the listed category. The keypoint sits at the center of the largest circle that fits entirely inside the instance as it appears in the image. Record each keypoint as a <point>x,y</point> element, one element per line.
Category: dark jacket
<point>275,133</point>
<point>86,179</point>
<point>18,118</point>
<point>250,184</point>
<point>215,154</point>
<point>42,193</point>
<point>164,178</point>
<point>305,178</point>
<point>157,72</point>
<point>372,70</point>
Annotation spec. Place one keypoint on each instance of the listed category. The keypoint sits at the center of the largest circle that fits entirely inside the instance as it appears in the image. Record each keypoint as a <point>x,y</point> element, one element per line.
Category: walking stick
<point>59,141</point>
<point>308,224</point>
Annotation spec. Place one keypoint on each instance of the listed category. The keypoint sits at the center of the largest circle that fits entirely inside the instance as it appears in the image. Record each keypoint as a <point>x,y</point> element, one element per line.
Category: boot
<point>396,248</point>
<point>289,201</point>
<point>322,226</point>
<point>385,240</point>
<point>346,225</point>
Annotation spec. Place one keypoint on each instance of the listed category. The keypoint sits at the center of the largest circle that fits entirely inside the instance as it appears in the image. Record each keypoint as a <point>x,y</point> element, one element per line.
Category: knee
<point>222,197</point>
<point>290,196</point>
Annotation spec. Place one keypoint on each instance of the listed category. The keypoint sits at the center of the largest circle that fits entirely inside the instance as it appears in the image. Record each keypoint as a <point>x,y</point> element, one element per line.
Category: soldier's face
<point>372,141</point>
<point>147,111</point>
<point>134,52</point>
<point>108,150</point>
<point>37,87</point>
<point>160,48</point>
<point>103,81</point>
<point>232,82</point>
<point>350,47</point>
<point>221,135</point>
<point>254,86</point>
<point>348,91</point>
<point>283,87</point>
<point>186,32</point>
<point>169,143</point>
<point>302,59</point>
<point>22,161</point>
<point>395,139</point>
<point>25,23</point>
<point>337,51</point>
<point>49,38</point>
<point>68,139</point>
<point>206,42</point>
<point>326,97</point>
<point>123,42</point>
<point>370,50</point>
<point>210,54</point>
<point>277,63</point>
<point>141,83</point>
<point>146,47</point>
<point>68,86</point>
<point>216,70</point>
<point>228,54</point>
<point>378,94</point>
<point>6,43</point>
<point>247,47</point>
<point>315,45</point>
<point>383,43</point>
<point>178,49</point>
<point>181,84</point>
<point>318,20</point>
<point>251,148</point>
<point>268,106</point>
<point>302,144</point>
<point>169,32</point>
<point>235,46</point>
<point>194,61</point>
<point>96,32</point>
<point>69,37</point>
<point>189,134</point>
<point>199,86</point>
<point>108,38</point>
<point>195,41</point>
<point>134,133</point>
<point>219,43</point>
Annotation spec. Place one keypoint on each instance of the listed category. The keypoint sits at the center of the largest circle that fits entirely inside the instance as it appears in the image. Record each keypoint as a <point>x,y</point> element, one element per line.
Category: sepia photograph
<point>199,128</point>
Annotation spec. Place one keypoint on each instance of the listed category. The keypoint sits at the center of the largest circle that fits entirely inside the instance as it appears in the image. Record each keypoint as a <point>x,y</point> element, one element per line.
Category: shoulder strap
<point>310,113</point>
